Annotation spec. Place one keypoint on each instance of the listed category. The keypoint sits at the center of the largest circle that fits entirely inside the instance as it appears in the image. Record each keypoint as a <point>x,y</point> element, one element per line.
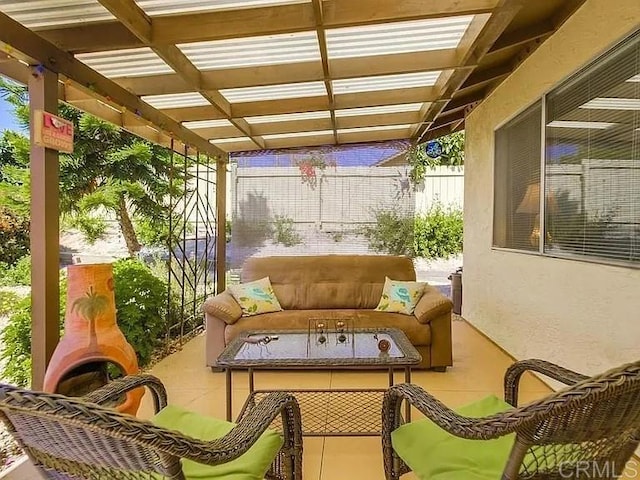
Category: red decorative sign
<point>53,132</point>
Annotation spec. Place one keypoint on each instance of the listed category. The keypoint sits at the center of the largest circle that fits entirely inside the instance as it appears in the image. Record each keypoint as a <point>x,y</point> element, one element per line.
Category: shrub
<point>8,302</point>
<point>14,237</point>
<point>392,233</point>
<point>284,231</point>
<point>18,274</point>
<point>141,303</point>
<point>16,339</point>
<point>438,232</point>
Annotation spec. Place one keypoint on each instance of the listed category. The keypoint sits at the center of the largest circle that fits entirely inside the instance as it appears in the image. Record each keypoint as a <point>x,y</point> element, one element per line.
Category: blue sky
<point>7,122</point>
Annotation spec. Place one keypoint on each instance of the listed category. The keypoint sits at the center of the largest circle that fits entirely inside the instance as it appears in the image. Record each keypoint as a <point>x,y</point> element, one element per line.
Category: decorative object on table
<point>400,297</point>
<point>320,334</point>
<point>255,297</point>
<point>264,340</point>
<point>341,337</point>
<point>384,345</point>
<point>92,346</point>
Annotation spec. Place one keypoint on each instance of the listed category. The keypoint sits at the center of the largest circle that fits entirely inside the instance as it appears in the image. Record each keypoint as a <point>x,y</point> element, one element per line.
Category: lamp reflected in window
<point>530,205</point>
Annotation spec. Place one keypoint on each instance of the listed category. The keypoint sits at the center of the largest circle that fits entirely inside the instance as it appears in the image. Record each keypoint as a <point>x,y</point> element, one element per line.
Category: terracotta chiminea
<point>92,340</point>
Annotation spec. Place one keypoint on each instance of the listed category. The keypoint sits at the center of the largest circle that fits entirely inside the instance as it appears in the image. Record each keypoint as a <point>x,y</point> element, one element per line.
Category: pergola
<point>237,75</point>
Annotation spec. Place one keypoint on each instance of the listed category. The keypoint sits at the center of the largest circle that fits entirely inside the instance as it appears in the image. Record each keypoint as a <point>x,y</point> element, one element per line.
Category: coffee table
<point>325,412</point>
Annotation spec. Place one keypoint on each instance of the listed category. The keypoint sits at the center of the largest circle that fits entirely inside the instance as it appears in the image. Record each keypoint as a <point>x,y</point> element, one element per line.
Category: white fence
<point>441,184</point>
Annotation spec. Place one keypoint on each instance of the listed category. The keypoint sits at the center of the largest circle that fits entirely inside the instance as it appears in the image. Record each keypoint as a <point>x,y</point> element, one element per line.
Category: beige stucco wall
<point>583,315</point>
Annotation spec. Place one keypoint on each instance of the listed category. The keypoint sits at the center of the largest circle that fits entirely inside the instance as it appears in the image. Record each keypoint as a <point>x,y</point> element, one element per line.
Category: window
<point>591,175</point>
<point>517,181</point>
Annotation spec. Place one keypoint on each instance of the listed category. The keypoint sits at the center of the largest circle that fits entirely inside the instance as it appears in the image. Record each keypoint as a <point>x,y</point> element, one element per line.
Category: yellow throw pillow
<point>256,297</point>
<point>400,297</point>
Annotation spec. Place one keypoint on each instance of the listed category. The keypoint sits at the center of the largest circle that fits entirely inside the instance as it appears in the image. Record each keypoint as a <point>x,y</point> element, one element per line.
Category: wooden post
<point>221,218</point>
<point>45,243</point>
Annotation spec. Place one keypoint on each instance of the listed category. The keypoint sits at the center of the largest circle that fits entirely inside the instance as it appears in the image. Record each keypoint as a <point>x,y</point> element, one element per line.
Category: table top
<point>291,349</point>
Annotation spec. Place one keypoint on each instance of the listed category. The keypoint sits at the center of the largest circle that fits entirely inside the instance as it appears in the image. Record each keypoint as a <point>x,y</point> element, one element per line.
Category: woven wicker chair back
<point>85,440</point>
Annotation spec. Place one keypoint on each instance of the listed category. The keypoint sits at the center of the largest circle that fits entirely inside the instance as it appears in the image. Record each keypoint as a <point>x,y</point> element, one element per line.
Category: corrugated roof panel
<point>377,128</point>
<point>287,117</point>
<point>230,140</point>
<point>277,136</point>
<point>176,100</point>
<point>125,63</point>
<point>49,13</point>
<point>274,92</point>
<point>402,108</point>
<point>385,82</point>
<point>252,51</point>
<point>166,7</point>
<point>397,37</point>
<point>223,122</point>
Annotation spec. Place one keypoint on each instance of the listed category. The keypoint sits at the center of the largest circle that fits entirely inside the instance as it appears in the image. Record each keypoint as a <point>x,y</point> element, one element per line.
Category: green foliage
<point>152,232</point>
<point>8,301</point>
<point>14,237</point>
<point>141,302</point>
<point>18,274</point>
<point>16,339</point>
<point>452,155</point>
<point>438,232</point>
<point>284,231</point>
<point>392,233</point>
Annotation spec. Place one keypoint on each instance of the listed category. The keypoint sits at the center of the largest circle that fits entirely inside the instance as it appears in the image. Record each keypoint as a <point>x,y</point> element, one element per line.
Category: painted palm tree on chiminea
<point>78,366</point>
<point>89,307</point>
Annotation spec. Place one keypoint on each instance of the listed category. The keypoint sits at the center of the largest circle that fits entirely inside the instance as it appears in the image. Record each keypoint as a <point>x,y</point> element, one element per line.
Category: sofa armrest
<point>224,307</point>
<point>432,304</point>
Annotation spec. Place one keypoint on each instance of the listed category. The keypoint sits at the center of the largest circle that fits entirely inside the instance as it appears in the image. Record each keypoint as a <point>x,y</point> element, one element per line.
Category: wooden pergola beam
<point>318,14</point>
<point>250,22</point>
<point>492,29</point>
<point>141,25</point>
<point>522,36</point>
<point>40,51</point>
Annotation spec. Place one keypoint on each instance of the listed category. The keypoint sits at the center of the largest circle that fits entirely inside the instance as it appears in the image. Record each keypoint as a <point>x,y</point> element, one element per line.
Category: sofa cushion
<point>328,281</point>
<point>400,297</point>
<point>255,297</point>
<point>298,320</point>
<point>431,305</point>
<point>224,307</point>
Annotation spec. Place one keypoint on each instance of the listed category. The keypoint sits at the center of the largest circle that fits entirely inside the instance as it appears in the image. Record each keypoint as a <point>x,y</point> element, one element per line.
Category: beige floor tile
<point>352,458</point>
<point>313,450</point>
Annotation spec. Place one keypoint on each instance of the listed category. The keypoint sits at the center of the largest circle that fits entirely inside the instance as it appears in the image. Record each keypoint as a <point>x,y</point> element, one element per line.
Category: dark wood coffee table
<point>325,412</point>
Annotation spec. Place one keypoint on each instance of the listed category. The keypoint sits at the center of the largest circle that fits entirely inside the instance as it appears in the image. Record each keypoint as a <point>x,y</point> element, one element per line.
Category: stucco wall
<point>583,315</point>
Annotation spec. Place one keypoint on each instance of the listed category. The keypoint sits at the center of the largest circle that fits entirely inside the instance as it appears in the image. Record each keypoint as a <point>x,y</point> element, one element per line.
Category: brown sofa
<point>337,286</point>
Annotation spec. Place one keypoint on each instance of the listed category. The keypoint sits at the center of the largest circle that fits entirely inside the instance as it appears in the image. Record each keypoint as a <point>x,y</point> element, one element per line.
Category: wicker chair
<point>71,438</point>
<point>587,430</point>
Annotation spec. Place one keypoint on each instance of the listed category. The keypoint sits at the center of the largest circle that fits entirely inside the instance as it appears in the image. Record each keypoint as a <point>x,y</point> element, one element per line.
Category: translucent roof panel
<point>397,37</point>
<point>176,100</point>
<point>288,117</point>
<point>207,123</point>
<point>165,7</point>
<point>587,125</point>
<point>125,63</point>
<point>374,129</point>
<point>230,140</point>
<point>385,82</point>
<point>382,109</point>
<point>614,103</point>
<point>49,13</point>
<point>274,92</point>
<point>277,136</point>
<point>252,51</point>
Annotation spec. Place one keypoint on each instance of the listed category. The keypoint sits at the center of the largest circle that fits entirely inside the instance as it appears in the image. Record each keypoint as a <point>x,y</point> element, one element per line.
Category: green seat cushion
<point>251,466</point>
<point>434,454</point>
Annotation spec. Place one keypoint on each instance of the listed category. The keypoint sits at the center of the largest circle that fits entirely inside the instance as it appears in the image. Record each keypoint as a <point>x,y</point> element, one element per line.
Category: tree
<point>110,170</point>
<point>452,155</point>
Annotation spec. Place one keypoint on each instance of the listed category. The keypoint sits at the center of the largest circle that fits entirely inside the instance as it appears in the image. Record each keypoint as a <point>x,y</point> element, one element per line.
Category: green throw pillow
<point>400,297</point>
<point>255,297</point>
